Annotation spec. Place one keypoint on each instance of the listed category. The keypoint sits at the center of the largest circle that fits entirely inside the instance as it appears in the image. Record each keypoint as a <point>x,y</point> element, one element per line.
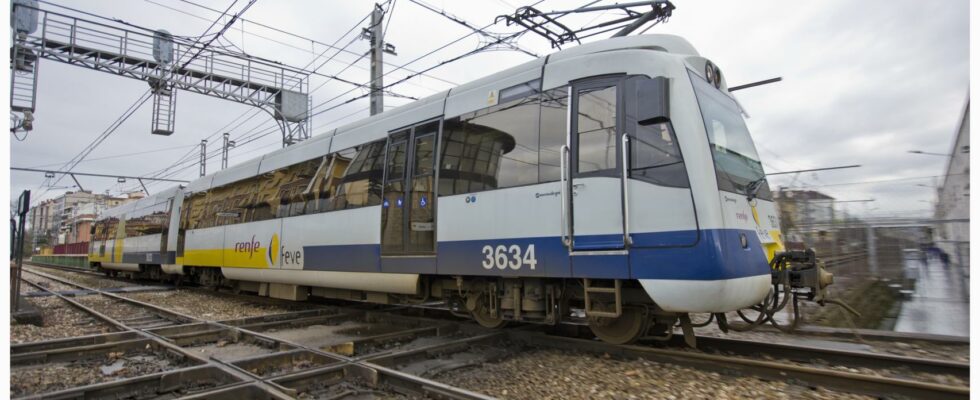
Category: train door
<point>175,234</point>
<point>595,167</point>
<point>594,192</point>
<point>408,207</point>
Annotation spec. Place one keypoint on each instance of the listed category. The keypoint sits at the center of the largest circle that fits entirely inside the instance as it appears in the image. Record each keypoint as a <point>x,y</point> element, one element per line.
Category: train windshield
<point>736,161</point>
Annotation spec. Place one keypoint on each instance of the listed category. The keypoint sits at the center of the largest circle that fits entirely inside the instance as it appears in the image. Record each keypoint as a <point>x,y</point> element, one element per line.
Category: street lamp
<point>929,154</point>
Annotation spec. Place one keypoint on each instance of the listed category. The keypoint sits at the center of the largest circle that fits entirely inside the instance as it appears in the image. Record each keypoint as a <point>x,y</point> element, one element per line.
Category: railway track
<point>397,354</point>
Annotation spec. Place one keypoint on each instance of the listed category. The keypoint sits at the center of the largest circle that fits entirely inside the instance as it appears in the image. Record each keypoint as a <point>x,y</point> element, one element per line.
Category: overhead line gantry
<point>280,90</point>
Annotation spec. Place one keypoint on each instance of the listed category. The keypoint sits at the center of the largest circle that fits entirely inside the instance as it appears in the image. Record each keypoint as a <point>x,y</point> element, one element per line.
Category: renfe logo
<point>247,247</point>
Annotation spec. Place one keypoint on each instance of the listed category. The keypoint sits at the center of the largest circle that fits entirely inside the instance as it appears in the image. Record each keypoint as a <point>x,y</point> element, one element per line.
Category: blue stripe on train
<point>717,255</point>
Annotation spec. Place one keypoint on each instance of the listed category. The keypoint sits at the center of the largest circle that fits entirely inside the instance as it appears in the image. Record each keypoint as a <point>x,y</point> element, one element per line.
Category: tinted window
<point>736,161</point>
<point>655,156</point>
<point>596,119</point>
<point>496,147</point>
<point>361,184</point>
<point>421,229</point>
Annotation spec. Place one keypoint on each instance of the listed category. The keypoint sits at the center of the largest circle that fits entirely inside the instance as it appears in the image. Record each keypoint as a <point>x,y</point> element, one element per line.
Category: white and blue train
<point>615,179</point>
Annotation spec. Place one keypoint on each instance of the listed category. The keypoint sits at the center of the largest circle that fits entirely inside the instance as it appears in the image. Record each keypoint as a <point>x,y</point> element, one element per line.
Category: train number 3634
<point>512,256</point>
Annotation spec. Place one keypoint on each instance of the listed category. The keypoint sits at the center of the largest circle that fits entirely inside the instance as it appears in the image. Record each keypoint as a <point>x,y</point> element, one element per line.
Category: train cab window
<point>655,156</point>
<point>596,118</point>
<point>554,118</point>
<point>736,161</point>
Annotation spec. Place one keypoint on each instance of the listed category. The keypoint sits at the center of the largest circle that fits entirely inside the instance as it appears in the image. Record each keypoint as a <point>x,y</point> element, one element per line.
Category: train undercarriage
<point>617,311</point>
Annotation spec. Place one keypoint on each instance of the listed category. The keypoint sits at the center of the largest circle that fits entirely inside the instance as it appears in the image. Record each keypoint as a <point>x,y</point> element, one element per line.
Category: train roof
<point>377,126</point>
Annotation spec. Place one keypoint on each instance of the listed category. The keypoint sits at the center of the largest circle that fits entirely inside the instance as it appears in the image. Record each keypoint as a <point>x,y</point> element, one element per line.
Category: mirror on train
<point>649,99</point>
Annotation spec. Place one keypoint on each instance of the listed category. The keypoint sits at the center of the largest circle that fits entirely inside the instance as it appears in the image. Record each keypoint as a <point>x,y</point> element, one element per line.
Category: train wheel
<point>481,313</point>
<point>625,329</point>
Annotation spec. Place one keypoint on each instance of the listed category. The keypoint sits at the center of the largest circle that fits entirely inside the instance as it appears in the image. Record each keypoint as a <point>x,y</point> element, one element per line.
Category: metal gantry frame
<point>276,88</point>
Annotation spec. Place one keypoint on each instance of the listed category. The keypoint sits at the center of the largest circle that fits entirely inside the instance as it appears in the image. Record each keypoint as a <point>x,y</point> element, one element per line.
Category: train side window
<point>519,119</point>
<point>111,229</point>
<point>656,158</point>
<point>193,211</point>
<point>360,185</point>
<point>496,147</point>
<point>134,222</point>
<point>554,131</point>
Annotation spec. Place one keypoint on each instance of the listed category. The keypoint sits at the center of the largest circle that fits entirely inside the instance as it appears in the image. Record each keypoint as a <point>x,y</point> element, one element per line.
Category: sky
<point>863,83</point>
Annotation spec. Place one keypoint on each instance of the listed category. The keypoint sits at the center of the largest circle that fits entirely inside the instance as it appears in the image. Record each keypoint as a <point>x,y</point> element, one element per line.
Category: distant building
<point>804,207</point>
<point>805,217</point>
<point>952,232</point>
<point>68,218</point>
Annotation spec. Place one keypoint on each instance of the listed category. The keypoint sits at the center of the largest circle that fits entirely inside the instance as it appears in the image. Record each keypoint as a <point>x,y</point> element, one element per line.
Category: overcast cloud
<point>864,82</point>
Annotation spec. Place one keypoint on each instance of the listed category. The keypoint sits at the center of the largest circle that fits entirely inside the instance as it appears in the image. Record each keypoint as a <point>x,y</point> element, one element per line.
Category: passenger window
<point>596,118</point>
<point>360,185</point>
<point>493,148</point>
<point>655,156</point>
<point>396,159</point>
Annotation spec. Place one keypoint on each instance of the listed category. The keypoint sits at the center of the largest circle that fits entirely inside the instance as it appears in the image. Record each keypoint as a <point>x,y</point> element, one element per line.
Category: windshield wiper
<point>752,189</point>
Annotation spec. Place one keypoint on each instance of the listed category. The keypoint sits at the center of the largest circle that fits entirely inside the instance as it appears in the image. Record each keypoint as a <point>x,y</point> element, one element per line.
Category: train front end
<point>740,260</point>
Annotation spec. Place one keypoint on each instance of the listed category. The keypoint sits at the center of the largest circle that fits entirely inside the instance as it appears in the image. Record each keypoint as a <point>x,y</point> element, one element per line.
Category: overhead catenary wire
<point>122,155</point>
<point>132,109</point>
<point>403,66</point>
<point>289,45</point>
<point>400,67</point>
<point>187,161</point>
<point>92,146</point>
<point>282,31</point>
<point>481,31</point>
<point>403,80</point>
<point>190,154</point>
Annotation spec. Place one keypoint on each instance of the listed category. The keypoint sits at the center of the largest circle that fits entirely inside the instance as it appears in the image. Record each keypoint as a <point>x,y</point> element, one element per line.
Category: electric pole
<point>375,33</point>
<point>204,157</point>
<point>224,151</point>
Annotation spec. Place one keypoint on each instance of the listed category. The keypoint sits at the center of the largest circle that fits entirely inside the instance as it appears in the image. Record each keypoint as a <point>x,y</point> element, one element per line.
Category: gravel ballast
<point>43,282</point>
<point>61,320</point>
<point>207,306</point>
<point>86,280</point>
<point>554,375</point>
<point>44,378</point>
<point>908,348</point>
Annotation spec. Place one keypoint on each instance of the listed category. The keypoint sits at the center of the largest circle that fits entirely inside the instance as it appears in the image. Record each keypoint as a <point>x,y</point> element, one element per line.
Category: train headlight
<point>712,74</point>
<point>743,240</point>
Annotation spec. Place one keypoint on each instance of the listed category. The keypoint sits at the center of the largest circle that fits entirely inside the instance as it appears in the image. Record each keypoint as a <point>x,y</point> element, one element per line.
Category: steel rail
<point>393,377</point>
<point>770,370</point>
<point>850,358</point>
<point>271,390</point>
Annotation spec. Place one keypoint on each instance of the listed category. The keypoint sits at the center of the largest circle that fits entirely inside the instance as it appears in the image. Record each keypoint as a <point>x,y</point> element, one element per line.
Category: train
<point>614,183</point>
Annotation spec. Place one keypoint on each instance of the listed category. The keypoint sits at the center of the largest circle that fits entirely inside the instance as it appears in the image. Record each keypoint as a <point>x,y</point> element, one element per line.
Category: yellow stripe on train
<point>258,258</point>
